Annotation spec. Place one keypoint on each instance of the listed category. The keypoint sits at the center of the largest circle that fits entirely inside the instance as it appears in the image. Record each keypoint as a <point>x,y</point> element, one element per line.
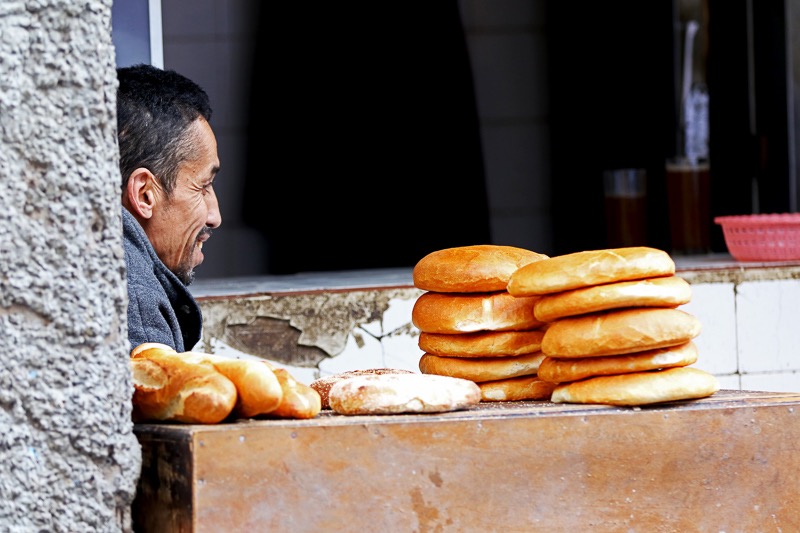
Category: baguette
<point>169,388</point>
<point>299,400</point>
<point>259,391</point>
<point>259,387</point>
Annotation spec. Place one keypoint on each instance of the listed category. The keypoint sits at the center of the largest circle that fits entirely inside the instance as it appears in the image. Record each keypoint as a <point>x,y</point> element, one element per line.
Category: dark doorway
<point>364,148</point>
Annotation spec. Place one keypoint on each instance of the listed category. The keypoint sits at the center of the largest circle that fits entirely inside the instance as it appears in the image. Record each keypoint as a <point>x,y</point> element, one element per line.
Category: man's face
<point>180,224</point>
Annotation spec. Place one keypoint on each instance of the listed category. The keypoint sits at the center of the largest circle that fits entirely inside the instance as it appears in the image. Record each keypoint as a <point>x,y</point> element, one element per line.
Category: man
<point>168,162</point>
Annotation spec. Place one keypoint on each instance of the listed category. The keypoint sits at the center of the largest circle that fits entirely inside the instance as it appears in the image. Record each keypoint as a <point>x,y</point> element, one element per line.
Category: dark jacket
<point>160,307</point>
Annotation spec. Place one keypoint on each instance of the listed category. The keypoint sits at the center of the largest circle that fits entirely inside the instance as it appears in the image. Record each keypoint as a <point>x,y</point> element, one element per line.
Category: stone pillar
<point>69,460</point>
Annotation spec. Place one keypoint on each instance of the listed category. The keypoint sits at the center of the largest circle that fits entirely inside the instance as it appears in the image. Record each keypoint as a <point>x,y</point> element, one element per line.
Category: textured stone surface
<point>68,458</point>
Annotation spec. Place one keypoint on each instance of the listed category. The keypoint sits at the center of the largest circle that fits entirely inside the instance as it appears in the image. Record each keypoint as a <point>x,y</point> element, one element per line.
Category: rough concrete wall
<point>68,458</point>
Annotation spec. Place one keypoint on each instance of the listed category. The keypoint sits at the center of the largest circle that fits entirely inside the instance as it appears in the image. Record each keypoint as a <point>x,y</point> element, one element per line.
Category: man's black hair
<point>155,108</point>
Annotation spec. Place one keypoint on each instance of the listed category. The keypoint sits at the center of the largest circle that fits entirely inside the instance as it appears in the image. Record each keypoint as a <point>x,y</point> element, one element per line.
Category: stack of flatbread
<point>614,332</point>
<point>472,328</point>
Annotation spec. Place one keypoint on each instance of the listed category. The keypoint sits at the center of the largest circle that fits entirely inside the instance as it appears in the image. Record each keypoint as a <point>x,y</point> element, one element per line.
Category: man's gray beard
<point>188,278</point>
<point>185,275</point>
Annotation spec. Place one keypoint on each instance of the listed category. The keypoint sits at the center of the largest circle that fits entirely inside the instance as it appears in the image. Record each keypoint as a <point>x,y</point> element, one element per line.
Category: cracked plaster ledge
<point>304,320</point>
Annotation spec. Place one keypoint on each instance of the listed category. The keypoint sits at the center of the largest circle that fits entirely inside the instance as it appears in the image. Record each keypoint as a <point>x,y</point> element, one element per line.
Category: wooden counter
<point>730,463</point>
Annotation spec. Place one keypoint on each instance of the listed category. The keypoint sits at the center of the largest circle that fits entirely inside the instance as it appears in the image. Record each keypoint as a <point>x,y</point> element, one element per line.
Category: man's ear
<point>141,193</point>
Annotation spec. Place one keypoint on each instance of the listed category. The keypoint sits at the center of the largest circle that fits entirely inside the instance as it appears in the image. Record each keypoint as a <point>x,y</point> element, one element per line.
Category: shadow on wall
<point>364,149</point>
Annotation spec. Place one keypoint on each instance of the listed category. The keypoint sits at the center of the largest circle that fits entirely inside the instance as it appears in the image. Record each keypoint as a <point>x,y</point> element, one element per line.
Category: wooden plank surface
<point>726,463</point>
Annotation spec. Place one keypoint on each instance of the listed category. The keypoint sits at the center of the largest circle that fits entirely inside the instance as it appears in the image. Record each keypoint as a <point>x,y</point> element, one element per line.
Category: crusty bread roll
<point>169,388</point>
<point>259,391</point>
<point>435,312</point>
<point>260,388</point>
<point>386,394</point>
<point>516,389</point>
<point>639,388</point>
<point>299,400</point>
<point>619,331</point>
<point>156,346</point>
<point>560,370</point>
<point>591,267</point>
<point>479,369</point>
<point>323,384</point>
<point>667,291</point>
<point>476,268</point>
<point>482,343</point>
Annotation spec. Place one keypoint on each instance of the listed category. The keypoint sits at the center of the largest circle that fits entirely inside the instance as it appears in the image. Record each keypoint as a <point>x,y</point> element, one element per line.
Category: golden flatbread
<point>560,370</point>
<point>639,388</point>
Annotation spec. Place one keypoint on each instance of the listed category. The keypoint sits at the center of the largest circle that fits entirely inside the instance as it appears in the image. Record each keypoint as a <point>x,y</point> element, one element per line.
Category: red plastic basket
<point>768,237</point>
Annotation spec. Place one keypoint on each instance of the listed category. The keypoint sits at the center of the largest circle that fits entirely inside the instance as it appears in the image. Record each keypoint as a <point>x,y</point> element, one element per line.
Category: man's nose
<point>214,218</point>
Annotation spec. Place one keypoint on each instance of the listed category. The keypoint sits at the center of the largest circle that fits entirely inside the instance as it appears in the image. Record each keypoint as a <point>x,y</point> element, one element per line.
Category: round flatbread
<point>323,384</point>
<point>388,394</point>
<point>482,343</point>
<point>668,291</point>
<point>618,332</point>
<point>479,369</point>
<point>639,388</point>
<point>476,268</point>
<point>561,370</point>
<point>435,312</point>
<point>591,267</point>
<point>516,389</point>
